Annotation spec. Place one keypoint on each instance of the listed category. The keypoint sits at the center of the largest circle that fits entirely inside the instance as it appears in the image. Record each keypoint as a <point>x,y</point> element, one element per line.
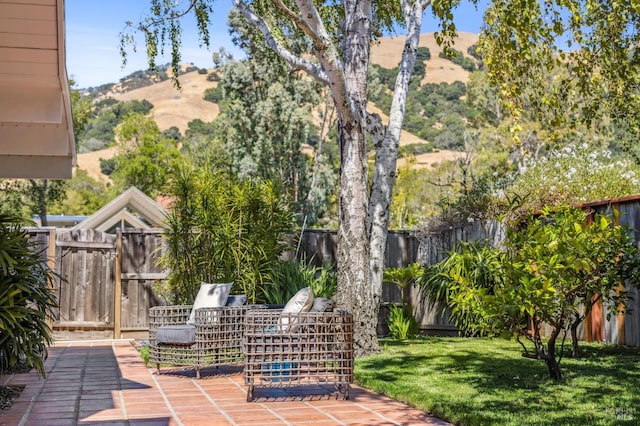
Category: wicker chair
<point>291,350</point>
<point>214,340</point>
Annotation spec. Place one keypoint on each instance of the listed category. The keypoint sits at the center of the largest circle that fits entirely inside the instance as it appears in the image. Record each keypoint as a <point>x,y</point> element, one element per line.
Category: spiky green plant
<point>401,323</point>
<point>26,298</point>
<point>222,230</point>
<point>294,275</point>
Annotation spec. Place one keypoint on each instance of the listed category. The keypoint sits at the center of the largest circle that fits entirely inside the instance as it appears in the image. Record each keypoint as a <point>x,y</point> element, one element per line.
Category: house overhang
<point>36,126</point>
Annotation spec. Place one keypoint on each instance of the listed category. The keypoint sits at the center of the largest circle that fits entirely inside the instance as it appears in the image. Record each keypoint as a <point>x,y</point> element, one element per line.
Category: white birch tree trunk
<point>387,143</point>
<point>363,212</point>
<point>354,290</point>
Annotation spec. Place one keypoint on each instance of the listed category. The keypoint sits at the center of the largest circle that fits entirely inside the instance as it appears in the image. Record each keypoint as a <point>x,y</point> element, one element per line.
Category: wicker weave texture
<point>286,350</point>
<point>218,336</point>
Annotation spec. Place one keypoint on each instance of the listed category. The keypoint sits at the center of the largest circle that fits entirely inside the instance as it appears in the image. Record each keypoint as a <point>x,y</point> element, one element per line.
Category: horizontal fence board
<point>89,245</point>
<point>82,324</point>
<point>144,275</point>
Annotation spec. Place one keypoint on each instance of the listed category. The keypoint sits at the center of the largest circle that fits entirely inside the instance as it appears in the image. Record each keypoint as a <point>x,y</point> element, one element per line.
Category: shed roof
<point>149,213</point>
<point>36,127</point>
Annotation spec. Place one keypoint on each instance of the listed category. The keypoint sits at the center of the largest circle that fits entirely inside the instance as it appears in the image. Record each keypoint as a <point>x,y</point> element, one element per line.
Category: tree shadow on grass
<point>501,382</point>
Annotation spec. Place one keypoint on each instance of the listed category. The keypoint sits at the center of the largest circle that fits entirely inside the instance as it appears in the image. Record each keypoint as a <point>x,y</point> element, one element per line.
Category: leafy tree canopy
<point>594,43</point>
<point>146,158</point>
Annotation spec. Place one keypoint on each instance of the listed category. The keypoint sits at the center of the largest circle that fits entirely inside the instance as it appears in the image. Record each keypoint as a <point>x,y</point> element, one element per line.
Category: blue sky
<point>93,26</point>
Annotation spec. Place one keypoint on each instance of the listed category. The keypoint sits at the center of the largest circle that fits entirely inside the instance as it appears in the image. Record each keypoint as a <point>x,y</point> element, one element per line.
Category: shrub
<point>458,58</point>
<point>92,144</point>
<point>107,165</point>
<point>221,230</point>
<point>213,94</point>
<point>293,275</point>
<point>26,298</point>
<point>415,149</point>
<point>574,174</point>
<point>401,323</point>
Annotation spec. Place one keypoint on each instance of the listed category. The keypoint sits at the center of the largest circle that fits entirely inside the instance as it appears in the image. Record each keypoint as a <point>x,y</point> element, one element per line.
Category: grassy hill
<point>174,107</point>
<point>388,50</point>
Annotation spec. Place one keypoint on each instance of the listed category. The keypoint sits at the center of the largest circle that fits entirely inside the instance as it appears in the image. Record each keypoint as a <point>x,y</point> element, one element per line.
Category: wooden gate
<point>105,283</point>
<point>85,261</point>
<point>137,276</point>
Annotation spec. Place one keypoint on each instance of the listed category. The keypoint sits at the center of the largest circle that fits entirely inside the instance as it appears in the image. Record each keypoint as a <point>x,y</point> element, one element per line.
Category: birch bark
<point>363,208</point>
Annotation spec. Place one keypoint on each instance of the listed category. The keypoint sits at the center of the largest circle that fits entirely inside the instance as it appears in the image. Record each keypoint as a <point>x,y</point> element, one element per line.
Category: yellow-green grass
<point>482,381</point>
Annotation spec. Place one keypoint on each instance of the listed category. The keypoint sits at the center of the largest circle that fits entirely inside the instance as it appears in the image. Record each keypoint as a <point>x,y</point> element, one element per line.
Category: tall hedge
<point>222,230</point>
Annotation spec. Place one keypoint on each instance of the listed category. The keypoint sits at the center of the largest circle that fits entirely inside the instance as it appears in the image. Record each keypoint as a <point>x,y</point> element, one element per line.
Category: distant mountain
<point>173,107</point>
<point>176,108</point>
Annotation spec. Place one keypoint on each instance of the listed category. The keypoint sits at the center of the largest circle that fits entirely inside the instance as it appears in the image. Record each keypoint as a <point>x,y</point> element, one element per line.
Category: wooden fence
<point>601,326</point>
<point>320,247</point>
<point>107,281</point>
<point>104,284</point>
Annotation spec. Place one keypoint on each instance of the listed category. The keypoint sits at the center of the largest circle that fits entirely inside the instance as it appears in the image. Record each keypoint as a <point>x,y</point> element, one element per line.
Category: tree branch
<point>327,53</point>
<point>387,146</point>
<point>293,60</point>
<point>301,23</point>
<point>315,24</point>
<point>144,26</point>
<point>375,128</point>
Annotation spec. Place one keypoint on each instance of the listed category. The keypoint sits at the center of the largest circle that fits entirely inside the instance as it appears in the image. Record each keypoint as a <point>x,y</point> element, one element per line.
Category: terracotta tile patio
<point>106,383</point>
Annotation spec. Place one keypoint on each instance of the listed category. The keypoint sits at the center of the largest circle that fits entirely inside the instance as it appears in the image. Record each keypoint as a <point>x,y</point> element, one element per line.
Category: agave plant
<point>26,298</point>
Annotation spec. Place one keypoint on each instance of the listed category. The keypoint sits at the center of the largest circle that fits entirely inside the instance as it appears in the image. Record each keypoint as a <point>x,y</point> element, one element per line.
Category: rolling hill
<point>174,107</point>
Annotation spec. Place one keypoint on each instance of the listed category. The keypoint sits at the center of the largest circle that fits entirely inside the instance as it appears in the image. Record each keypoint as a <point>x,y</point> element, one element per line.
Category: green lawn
<point>487,382</point>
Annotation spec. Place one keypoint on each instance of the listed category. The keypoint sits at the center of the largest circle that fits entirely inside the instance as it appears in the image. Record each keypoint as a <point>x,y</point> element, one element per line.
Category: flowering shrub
<point>574,174</point>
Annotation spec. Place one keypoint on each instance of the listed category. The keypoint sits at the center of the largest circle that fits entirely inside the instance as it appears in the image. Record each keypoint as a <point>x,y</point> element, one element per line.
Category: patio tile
<point>297,415</point>
<point>106,383</point>
<point>107,414</point>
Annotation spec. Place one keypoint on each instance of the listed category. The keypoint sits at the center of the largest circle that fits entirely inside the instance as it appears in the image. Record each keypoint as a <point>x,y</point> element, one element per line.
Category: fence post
<point>51,263</point>
<point>622,307</point>
<point>117,291</point>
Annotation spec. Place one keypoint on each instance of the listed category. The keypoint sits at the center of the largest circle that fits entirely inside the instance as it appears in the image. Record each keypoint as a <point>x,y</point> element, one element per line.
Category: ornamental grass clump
<point>293,275</point>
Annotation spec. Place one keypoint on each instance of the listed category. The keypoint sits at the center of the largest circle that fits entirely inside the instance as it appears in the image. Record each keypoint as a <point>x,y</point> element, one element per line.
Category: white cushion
<point>210,296</point>
<point>300,302</point>
<point>322,304</point>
